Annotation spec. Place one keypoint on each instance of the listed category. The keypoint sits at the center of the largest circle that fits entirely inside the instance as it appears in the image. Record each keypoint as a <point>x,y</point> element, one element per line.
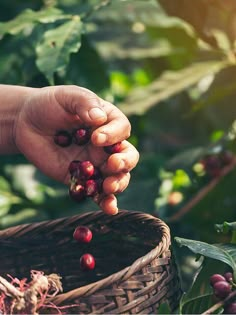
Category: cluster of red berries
<point>222,286</point>
<point>80,136</point>
<point>86,179</point>
<point>213,163</point>
<point>82,234</point>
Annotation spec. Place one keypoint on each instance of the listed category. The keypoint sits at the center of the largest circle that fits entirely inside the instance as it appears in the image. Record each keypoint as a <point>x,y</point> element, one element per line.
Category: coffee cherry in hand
<point>63,138</point>
<point>81,136</point>
<point>114,148</point>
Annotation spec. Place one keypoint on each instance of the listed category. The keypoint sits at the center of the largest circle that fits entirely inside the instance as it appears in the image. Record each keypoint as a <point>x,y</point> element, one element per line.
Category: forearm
<point>11,99</point>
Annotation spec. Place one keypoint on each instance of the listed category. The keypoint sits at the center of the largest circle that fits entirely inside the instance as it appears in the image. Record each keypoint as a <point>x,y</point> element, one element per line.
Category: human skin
<point>30,117</point>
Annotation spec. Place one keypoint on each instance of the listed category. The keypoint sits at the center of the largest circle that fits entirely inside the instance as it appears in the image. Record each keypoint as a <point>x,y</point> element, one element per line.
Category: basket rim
<point>126,272</point>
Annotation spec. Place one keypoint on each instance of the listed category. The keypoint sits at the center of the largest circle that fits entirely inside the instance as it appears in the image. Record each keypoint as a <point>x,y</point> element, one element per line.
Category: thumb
<point>83,103</point>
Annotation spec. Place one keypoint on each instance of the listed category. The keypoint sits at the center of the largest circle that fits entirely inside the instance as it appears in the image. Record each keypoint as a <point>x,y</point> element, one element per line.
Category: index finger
<point>117,127</point>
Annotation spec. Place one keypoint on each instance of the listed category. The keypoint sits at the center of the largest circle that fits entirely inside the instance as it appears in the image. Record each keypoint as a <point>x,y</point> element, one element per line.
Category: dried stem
<point>203,192</point>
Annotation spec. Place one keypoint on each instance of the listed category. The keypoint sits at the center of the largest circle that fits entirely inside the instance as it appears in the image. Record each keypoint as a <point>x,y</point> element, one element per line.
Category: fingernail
<point>96,113</point>
<point>101,138</point>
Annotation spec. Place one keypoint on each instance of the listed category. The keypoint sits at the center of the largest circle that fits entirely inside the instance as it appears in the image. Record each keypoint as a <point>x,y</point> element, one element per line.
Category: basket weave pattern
<point>135,271</point>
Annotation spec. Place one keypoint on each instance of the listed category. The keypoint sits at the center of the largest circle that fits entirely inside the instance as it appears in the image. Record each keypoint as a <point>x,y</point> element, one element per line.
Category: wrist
<point>11,100</point>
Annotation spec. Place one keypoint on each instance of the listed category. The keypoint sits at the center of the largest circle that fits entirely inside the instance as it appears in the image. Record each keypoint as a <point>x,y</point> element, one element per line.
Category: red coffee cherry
<point>63,138</point>
<point>114,148</point>
<point>216,278</point>
<point>81,136</point>
<point>230,308</point>
<point>87,262</point>
<point>82,234</point>
<point>91,187</point>
<point>212,165</point>
<point>228,276</point>
<point>74,168</point>
<point>86,170</point>
<point>97,174</point>
<point>226,157</point>
<point>77,192</point>
<point>221,289</point>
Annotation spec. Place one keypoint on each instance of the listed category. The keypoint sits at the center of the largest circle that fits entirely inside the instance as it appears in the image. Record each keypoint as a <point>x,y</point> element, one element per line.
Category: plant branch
<point>215,307</point>
<point>203,192</point>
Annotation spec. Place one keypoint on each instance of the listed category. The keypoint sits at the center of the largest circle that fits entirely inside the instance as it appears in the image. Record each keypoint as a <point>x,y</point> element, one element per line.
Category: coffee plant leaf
<point>198,305</point>
<point>225,253</point>
<point>200,286</point>
<point>53,52</point>
<point>169,84</point>
<point>28,18</point>
<point>226,227</point>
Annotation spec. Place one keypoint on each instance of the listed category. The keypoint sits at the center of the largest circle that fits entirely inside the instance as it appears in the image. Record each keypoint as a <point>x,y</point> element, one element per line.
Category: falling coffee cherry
<point>81,136</point>
<point>114,148</point>
<point>87,262</point>
<point>63,138</point>
<point>82,234</point>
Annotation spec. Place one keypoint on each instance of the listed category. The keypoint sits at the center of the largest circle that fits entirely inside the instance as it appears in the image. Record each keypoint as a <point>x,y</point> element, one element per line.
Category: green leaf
<point>164,308</point>
<point>169,84</point>
<point>198,305</point>
<point>54,51</point>
<point>27,215</point>
<point>223,252</point>
<point>226,227</point>
<point>28,18</point>
<point>200,286</point>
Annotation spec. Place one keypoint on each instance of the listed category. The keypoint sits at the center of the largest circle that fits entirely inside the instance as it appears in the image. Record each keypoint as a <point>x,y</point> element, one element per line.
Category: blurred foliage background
<point>169,67</point>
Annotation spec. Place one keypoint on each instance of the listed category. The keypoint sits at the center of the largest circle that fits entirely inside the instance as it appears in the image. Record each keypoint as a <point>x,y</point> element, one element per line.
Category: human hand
<point>47,110</point>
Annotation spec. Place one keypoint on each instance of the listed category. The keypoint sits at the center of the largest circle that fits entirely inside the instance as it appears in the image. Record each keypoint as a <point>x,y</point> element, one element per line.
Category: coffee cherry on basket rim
<point>221,289</point>
<point>63,138</point>
<point>82,135</point>
<point>113,148</point>
<point>82,234</point>
<point>87,262</point>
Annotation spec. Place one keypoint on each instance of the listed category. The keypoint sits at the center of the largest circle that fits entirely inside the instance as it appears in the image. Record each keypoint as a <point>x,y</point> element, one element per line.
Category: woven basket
<point>134,272</point>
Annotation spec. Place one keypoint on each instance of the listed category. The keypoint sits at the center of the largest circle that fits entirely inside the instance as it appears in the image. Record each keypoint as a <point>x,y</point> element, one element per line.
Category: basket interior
<point>49,247</point>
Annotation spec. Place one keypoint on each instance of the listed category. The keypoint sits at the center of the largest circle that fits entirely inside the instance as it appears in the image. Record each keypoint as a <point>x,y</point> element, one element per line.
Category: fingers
<point>109,205</point>
<point>112,125</point>
<point>82,103</point>
<point>117,127</point>
<point>116,183</point>
<point>124,161</point>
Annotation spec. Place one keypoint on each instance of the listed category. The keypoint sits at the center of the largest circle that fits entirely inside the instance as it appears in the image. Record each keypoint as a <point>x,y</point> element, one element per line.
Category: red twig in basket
<point>215,307</point>
<point>203,192</point>
<point>19,297</point>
